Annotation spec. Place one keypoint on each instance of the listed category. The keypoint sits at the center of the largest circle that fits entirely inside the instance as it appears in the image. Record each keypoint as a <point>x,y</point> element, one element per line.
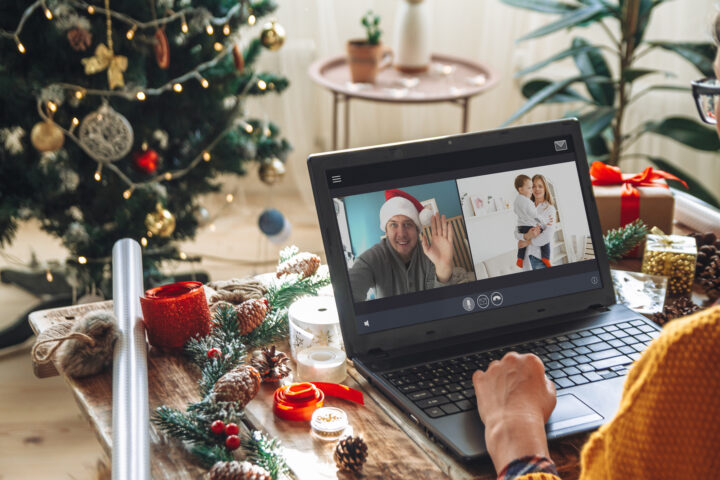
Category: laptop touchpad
<point>570,412</point>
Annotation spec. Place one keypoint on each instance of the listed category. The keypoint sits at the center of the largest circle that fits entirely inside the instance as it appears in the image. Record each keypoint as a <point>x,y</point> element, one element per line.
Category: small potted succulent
<point>367,56</point>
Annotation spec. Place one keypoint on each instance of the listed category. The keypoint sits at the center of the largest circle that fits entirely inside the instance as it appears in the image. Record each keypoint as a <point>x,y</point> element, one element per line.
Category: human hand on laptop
<point>441,250</point>
<point>515,400</point>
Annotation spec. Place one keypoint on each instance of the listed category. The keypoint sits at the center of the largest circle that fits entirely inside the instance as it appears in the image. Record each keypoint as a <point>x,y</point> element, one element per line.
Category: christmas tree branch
<point>620,241</point>
<point>265,452</point>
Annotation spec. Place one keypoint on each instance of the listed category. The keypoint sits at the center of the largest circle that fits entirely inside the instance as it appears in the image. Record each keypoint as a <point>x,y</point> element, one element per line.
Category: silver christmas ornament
<point>106,135</point>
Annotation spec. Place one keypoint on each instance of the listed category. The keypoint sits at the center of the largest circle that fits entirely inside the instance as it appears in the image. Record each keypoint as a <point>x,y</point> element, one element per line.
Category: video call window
<point>403,240</point>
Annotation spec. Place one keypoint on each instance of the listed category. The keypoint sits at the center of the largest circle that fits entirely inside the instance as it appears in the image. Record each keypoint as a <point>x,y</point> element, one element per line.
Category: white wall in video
<point>525,219</point>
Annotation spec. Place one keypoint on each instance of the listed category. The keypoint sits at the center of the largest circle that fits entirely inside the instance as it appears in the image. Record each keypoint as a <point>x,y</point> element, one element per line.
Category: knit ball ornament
<point>239,385</point>
<point>304,264</point>
<point>238,471</point>
<point>236,290</point>
<point>83,349</point>
<point>250,314</point>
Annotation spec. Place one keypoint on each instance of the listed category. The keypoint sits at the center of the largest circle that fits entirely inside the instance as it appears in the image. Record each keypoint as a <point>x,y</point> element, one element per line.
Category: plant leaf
<point>646,7</point>
<point>596,148</point>
<point>701,54</point>
<point>569,20</point>
<point>695,189</point>
<point>632,74</point>
<point>592,63</point>
<point>559,56</point>
<point>543,6</point>
<point>686,131</point>
<point>592,124</point>
<point>544,94</point>
<point>564,96</point>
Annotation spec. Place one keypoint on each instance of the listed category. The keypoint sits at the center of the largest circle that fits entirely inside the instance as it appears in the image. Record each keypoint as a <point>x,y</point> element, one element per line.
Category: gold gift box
<point>673,256</point>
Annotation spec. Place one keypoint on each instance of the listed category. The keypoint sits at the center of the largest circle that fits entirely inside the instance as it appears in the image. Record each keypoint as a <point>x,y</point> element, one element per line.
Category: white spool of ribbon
<point>321,364</point>
<point>314,322</point>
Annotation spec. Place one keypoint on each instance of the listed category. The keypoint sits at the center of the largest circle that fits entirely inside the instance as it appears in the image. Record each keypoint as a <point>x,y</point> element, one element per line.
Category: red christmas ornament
<point>232,429</point>
<point>232,442</point>
<point>146,161</point>
<point>217,427</point>
<point>214,353</point>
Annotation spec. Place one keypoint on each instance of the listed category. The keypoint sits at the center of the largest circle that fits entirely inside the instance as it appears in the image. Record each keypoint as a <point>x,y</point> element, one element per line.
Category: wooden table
<point>398,448</point>
<point>449,79</point>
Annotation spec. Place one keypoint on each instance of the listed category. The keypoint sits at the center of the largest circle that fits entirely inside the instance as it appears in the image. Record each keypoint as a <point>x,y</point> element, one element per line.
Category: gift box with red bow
<point>622,198</point>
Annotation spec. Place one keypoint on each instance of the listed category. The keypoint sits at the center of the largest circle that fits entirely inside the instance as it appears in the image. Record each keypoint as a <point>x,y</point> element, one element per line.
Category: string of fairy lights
<point>47,108</point>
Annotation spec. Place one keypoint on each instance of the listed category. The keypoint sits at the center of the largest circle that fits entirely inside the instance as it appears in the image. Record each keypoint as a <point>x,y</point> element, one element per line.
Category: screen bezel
<point>465,324</point>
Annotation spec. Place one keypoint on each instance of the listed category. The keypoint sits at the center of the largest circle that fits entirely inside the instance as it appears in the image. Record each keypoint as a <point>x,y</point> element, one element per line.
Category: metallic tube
<point>130,423</point>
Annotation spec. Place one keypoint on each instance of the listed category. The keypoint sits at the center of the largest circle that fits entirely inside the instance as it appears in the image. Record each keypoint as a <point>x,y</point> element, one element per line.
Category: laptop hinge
<point>599,308</point>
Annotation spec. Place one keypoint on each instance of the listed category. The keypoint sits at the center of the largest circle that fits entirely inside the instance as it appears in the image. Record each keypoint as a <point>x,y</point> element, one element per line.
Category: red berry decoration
<point>232,442</point>
<point>214,353</point>
<point>217,427</point>
<point>146,161</point>
<point>232,429</point>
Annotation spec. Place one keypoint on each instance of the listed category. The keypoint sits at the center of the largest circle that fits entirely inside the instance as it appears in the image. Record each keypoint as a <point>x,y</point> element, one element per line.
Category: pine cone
<point>709,278</point>
<point>678,308</point>
<point>238,471</point>
<point>240,385</point>
<point>351,453</point>
<point>79,38</point>
<point>304,264</point>
<point>271,364</point>
<point>250,314</point>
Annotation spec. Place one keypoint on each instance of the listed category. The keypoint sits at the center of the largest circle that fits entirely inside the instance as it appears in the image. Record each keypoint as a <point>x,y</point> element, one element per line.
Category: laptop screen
<point>445,235</point>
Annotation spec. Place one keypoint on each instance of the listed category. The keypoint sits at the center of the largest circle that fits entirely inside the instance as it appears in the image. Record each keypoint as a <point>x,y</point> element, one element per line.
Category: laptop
<point>417,340</point>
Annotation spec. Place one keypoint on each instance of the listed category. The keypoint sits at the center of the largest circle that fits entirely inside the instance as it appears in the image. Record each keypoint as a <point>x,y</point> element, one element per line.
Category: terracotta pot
<point>367,60</point>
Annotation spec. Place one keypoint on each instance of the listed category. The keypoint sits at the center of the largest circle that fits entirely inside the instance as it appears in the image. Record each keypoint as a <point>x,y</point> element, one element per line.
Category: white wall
<point>481,30</point>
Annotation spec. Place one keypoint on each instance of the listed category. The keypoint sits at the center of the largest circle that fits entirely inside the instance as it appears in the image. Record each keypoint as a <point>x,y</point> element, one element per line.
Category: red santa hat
<point>398,202</point>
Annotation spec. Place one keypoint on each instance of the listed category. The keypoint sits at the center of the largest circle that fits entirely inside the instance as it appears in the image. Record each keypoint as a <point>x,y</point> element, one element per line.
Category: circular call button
<point>483,301</point>
<point>496,298</point>
<point>468,304</point>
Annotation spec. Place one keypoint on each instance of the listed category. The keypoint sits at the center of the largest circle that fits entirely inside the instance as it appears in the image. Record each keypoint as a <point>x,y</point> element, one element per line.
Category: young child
<point>526,212</point>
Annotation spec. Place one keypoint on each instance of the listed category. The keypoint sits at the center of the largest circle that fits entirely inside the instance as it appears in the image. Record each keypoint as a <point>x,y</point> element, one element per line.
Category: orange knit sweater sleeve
<point>668,423</point>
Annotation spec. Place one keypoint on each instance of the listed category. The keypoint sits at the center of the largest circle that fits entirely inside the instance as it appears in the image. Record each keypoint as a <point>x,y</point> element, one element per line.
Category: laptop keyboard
<point>445,387</point>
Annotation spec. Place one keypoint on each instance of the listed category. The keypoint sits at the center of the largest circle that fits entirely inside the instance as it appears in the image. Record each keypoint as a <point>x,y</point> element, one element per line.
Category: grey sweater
<point>381,268</point>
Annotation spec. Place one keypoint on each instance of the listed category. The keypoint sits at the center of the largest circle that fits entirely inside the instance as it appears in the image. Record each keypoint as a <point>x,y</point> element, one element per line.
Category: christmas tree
<point>115,115</point>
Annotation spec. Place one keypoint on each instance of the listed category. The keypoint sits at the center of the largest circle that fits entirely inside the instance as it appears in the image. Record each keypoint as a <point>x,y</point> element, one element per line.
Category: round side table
<point>448,79</point>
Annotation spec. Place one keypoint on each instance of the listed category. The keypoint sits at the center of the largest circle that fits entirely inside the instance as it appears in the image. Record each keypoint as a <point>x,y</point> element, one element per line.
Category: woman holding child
<point>537,241</point>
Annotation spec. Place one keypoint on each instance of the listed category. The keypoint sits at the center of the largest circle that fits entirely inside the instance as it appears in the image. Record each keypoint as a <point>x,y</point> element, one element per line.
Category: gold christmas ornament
<point>272,171</point>
<point>46,136</point>
<point>105,57</point>
<point>273,35</point>
<point>160,222</point>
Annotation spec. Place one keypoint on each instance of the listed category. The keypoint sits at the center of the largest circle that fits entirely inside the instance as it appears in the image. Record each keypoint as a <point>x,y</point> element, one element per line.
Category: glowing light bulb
<point>261,84</point>
<point>48,276</point>
<point>91,10</point>
<point>209,29</point>
<point>183,256</point>
<point>21,47</point>
<point>226,29</point>
<point>131,33</point>
<point>82,260</point>
<point>184,26</point>
<point>98,175</point>
<point>149,234</point>
<point>229,198</point>
<point>204,83</point>
<point>143,242</point>
<point>168,176</point>
<point>177,87</point>
<point>140,96</point>
<point>127,193</point>
<point>79,94</point>
<point>252,20</point>
<point>249,128</point>
<point>206,156</point>
<point>52,107</point>
<point>218,46</point>
<point>49,16</point>
<point>75,122</point>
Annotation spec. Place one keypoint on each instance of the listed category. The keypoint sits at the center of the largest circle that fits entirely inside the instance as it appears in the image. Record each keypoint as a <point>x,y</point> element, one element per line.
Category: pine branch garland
<point>181,425</point>
<point>620,241</point>
<point>210,455</point>
<point>266,453</point>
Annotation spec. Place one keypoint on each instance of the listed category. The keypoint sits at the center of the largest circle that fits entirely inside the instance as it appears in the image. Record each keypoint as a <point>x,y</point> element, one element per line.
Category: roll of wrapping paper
<point>298,401</point>
<point>313,321</point>
<point>130,412</point>
<point>175,313</point>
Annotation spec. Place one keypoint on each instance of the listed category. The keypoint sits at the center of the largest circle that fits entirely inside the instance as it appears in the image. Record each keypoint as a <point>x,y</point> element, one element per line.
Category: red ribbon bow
<point>630,197</point>
<point>298,401</point>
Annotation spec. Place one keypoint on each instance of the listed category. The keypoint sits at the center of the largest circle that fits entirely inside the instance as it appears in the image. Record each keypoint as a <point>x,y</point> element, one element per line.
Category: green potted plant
<point>367,56</point>
<point>608,95</point>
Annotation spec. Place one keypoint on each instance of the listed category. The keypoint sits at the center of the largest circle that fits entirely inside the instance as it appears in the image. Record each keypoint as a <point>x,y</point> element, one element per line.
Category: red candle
<point>175,313</point>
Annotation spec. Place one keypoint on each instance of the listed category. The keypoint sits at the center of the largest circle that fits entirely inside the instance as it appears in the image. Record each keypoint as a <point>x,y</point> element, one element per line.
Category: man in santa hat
<point>396,264</point>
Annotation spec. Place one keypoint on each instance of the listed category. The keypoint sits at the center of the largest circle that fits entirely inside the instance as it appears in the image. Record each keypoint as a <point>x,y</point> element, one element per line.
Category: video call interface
<point>458,234</point>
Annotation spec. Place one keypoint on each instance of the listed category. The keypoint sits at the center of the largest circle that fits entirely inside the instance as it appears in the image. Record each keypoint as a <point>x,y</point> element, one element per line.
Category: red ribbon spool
<point>298,401</point>
<point>175,313</point>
